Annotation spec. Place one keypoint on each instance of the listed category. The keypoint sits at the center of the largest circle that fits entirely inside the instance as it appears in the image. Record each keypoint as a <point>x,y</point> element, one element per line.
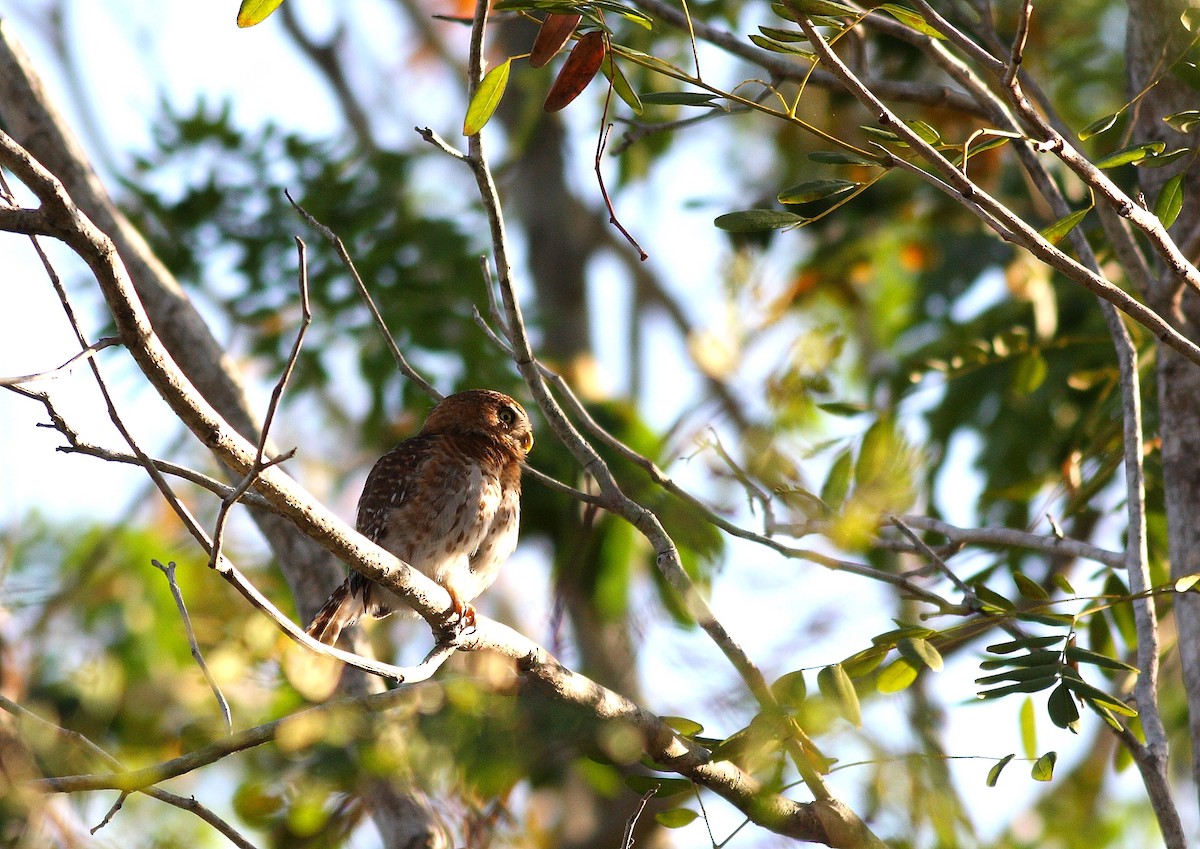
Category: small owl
<point>447,502</point>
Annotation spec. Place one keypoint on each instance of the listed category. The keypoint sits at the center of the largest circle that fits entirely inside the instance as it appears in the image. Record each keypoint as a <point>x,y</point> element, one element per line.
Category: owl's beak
<point>527,442</point>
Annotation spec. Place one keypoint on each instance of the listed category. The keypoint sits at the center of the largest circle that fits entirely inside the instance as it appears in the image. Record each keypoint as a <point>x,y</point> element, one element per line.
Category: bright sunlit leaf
<point>254,12</point>
<point>994,773</point>
<point>1169,202</point>
<point>1043,767</point>
<point>486,98</point>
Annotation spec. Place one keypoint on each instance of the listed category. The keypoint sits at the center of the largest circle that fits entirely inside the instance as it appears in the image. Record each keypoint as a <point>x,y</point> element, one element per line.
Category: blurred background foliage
<point>889,356</point>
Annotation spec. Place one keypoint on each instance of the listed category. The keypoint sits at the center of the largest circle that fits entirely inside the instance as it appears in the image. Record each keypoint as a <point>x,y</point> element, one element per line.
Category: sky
<point>136,51</point>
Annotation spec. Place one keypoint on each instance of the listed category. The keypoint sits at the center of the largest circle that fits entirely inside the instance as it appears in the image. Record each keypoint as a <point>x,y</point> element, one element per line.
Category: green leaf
<point>816,190</point>
<point>684,726</point>
<point>253,12</point>
<point>1043,767</point>
<point>896,676</point>
<point>1062,583</point>
<point>1019,673</point>
<point>819,7</point>
<point>837,484</point>
<point>864,662</point>
<point>678,98</point>
<point>1034,658</point>
<point>757,220</point>
<point>921,652</point>
<point>621,85</point>
<point>784,35</point>
<point>1184,121</point>
<point>486,98</point>
<point>1030,372</point>
<point>1190,19</point>
<point>994,773</point>
<point>1080,655</point>
<point>1033,685</point>
<point>1097,696</point>
<point>924,131</point>
<point>843,408</point>
<point>1099,126</point>
<point>836,686</point>
<point>1027,720</point>
<point>676,817</point>
<point>1062,708</point>
<point>1054,620</point>
<point>1055,232</point>
<point>1170,200</point>
<point>779,46</point>
<point>1024,643</point>
<point>912,20</point>
<point>1133,153</point>
<point>993,599</point>
<point>883,135</point>
<point>840,157</point>
<point>1120,611</point>
<point>1030,588</point>
<point>790,689</point>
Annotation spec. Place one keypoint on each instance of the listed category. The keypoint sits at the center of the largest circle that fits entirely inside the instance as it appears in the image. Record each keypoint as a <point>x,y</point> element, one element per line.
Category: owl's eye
<point>507,416</point>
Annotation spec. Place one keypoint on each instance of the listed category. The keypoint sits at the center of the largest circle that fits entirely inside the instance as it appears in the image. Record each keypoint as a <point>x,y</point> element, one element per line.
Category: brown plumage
<point>447,501</point>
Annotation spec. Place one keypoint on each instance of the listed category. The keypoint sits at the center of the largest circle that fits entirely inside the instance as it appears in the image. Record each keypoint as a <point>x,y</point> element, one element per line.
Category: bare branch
<point>85,354</point>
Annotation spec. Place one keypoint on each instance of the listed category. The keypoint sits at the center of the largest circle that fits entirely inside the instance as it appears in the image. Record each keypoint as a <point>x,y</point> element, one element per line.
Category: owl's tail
<point>343,608</point>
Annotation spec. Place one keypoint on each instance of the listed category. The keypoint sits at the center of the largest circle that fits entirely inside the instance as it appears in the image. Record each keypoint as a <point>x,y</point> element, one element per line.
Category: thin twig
<point>169,571</point>
<point>340,248</point>
<point>86,353</point>
<point>631,824</point>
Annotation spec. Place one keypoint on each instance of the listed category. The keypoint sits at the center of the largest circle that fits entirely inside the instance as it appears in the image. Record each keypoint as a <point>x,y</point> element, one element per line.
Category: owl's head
<point>483,412</point>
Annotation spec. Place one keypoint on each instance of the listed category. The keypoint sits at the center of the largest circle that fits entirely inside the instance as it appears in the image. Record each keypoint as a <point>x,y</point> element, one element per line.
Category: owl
<point>447,502</point>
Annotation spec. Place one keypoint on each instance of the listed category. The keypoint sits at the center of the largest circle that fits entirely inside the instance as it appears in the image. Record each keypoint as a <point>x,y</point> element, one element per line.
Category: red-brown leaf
<point>577,71</point>
<point>555,31</point>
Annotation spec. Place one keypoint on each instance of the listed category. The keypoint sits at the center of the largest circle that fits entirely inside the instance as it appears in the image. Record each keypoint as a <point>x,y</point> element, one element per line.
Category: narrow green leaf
<point>1184,121</point>
<point>1062,708</point>
<point>1133,153</point>
<point>1027,721</point>
<point>683,725</point>
<point>627,12</point>
<point>836,686</point>
<point>840,157</point>
<point>921,652</point>
<point>896,676</point>
<point>676,817</point>
<point>1034,685</point>
<point>1034,658</point>
<point>994,773</point>
<point>1099,126</point>
<point>1019,673</point>
<point>843,408</point>
<point>785,35</point>
<point>1081,655</point>
<point>486,98</point>
<point>910,19</point>
<point>1092,694</point>
<point>993,598</point>
<point>678,98</point>
<point>816,190</point>
<point>1043,767</point>
<point>1121,611</point>
<point>1170,200</point>
<point>1054,620</point>
<point>757,220</point>
<point>837,484</point>
<point>779,46</point>
<point>621,84</point>
<point>1062,583</point>
<point>1163,158</point>
<point>883,135</point>
<point>926,132</point>
<point>253,12</point>
<point>1024,643</point>
<point>819,7</point>
<point>1030,588</point>
<point>1055,232</point>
